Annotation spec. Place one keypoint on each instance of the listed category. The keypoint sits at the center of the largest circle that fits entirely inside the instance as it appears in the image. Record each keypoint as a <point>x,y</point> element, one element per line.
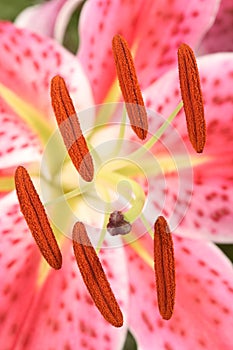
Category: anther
<point>36,218</point>
<point>94,277</point>
<point>129,86</point>
<point>192,97</point>
<point>117,225</point>
<point>70,129</point>
<point>164,264</point>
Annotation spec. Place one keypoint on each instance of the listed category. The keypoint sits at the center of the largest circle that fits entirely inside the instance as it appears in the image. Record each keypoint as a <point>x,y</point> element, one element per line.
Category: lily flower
<point>52,308</point>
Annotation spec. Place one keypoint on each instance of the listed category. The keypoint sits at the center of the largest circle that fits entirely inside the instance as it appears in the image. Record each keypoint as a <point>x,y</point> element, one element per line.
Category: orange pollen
<point>192,97</point>
<point>94,277</point>
<point>69,126</point>
<point>36,218</point>
<point>129,86</point>
<point>164,264</point>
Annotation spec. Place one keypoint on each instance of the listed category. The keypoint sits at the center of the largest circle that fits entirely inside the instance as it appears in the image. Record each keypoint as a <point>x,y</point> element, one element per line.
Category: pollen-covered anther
<point>192,97</point>
<point>36,218</point>
<point>129,86</point>
<point>94,277</point>
<point>70,129</point>
<point>164,264</point>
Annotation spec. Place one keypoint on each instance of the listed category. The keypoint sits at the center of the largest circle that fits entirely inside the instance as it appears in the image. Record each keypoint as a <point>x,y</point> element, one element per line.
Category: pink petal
<point>219,37</point>
<point>59,312</point>
<point>203,311</point>
<point>210,214</point>
<point>19,261</point>
<point>18,144</point>
<point>157,29</point>
<point>49,18</point>
<point>63,18</point>
<point>40,18</point>
<point>29,61</point>
<point>65,307</point>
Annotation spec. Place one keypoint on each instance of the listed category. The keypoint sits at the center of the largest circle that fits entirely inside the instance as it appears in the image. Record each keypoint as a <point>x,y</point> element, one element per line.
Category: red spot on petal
<point>226,310</point>
<point>132,288</point>
<point>77,295</point>
<point>82,326</point>
<point>88,300</point>
<point>7,47</point>
<point>214,272</point>
<point>107,337</point>
<point>147,322</point>
<point>27,53</point>
<point>167,346</point>
<point>14,297</point>
<point>186,250</point>
<point>56,326</point>
<point>69,317</point>
<point>160,323</point>
<point>10,264</point>
<point>216,321</point>
<point>58,58</point>
<point>201,263</point>
<point>10,149</point>
<point>101,26</point>
<point>213,301</point>
<point>16,241</point>
<point>83,343</point>
<point>67,346</point>
<point>36,65</point>
<point>200,212</point>
<point>13,328</point>
<point>202,343</point>
<point>195,14</point>
<point>6,289</point>
<point>64,285</point>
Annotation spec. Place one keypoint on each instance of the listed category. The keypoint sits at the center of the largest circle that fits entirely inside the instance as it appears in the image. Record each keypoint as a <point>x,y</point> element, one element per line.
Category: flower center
<point>126,171</point>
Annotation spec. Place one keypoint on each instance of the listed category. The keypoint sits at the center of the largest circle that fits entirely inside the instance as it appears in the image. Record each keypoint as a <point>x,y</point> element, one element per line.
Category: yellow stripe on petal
<point>28,113</point>
<point>139,249</point>
<point>44,268</point>
<point>7,183</point>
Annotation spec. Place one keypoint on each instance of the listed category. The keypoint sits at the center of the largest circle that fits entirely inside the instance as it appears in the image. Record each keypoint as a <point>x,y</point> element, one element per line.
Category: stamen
<point>117,225</point>
<point>164,264</point>
<point>94,276</point>
<point>192,97</point>
<point>36,218</point>
<point>69,126</point>
<point>129,86</point>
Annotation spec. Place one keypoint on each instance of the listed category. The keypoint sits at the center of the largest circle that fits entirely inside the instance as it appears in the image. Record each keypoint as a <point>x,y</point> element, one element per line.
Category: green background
<point>8,11</point>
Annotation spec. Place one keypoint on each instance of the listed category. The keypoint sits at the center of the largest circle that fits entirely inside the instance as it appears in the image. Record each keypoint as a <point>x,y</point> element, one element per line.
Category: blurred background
<point>9,9</point>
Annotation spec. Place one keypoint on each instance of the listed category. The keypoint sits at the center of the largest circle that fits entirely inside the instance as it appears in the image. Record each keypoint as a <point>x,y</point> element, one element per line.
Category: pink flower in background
<point>51,309</point>
<point>219,37</point>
